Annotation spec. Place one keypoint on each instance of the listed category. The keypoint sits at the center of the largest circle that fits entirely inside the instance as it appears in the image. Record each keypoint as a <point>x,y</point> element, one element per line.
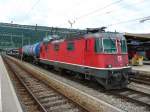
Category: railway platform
<point>146,62</point>
<point>145,69</point>
<point>9,101</point>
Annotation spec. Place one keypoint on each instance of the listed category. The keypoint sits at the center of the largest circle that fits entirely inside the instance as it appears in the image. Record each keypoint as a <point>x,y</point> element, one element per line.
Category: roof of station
<point>138,36</point>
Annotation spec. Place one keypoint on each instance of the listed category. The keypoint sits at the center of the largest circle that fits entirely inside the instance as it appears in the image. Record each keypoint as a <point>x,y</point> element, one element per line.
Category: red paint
<point>83,54</point>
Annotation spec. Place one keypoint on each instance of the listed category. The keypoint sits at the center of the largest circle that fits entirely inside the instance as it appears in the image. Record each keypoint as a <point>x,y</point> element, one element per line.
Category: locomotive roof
<point>108,35</point>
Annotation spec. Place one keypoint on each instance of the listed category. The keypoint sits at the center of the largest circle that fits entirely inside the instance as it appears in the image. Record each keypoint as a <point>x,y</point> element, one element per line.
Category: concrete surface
<point>144,69</point>
<point>9,101</point>
<point>146,62</point>
<point>0,94</point>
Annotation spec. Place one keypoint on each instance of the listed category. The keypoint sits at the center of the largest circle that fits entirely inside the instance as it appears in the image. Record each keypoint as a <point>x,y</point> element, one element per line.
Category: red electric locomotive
<point>102,55</point>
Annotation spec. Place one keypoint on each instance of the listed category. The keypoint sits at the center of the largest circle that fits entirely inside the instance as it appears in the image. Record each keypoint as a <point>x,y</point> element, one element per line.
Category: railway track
<point>134,96</point>
<point>28,102</point>
<point>37,96</point>
<point>127,94</point>
<point>142,79</point>
<point>130,95</point>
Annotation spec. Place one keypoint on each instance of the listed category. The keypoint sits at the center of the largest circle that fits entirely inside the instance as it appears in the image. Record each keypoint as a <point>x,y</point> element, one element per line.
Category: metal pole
<point>22,46</point>
<point>22,40</point>
<point>29,41</point>
<point>11,40</point>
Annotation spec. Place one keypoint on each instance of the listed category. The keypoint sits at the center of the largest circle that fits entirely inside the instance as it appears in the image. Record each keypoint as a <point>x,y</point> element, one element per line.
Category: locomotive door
<point>56,50</point>
<point>88,52</point>
<point>118,46</point>
<point>119,56</point>
<point>48,52</point>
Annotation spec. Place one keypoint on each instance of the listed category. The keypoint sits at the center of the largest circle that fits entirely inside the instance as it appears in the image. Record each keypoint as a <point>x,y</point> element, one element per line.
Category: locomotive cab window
<point>70,46</point>
<point>109,45</point>
<point>123,46</point>
<point>98,45</point>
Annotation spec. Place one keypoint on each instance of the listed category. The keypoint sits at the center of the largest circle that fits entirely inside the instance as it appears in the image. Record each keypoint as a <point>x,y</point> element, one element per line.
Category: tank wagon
<point>101,56</point>
<point>31,52</point>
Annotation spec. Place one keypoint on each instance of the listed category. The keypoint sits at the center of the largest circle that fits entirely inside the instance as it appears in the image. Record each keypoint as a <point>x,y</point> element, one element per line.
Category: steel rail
<point>141,81</point>
<point>28,90</point>
<point>132,99</point>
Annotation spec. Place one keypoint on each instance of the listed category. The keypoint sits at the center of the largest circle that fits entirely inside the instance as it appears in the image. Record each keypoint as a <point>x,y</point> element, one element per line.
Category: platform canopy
<point>143,36</point>
<point>138,42</point>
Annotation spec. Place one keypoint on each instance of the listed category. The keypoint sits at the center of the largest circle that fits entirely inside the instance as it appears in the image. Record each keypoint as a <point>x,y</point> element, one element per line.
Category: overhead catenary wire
<point>88,14</point>
<point>105,13</point>
<point>33,6</point>
<point>145,19</point>
<point>127,21</point>
<point>140,19</point>
<point>111,11</point>
<point>98,10</point>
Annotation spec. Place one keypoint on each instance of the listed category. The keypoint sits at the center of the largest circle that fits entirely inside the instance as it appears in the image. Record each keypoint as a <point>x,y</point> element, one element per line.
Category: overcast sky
<point>86,13</point>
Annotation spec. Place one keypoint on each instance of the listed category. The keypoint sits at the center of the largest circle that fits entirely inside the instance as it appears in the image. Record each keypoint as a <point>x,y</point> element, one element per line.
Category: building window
<point>70,46</point>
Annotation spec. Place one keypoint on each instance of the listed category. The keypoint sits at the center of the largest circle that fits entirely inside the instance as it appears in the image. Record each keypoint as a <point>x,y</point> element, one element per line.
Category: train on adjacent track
<point>100,55</point>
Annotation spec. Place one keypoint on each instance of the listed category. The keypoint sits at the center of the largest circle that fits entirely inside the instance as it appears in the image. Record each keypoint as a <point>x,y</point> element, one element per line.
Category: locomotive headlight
<point>109,66</point>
